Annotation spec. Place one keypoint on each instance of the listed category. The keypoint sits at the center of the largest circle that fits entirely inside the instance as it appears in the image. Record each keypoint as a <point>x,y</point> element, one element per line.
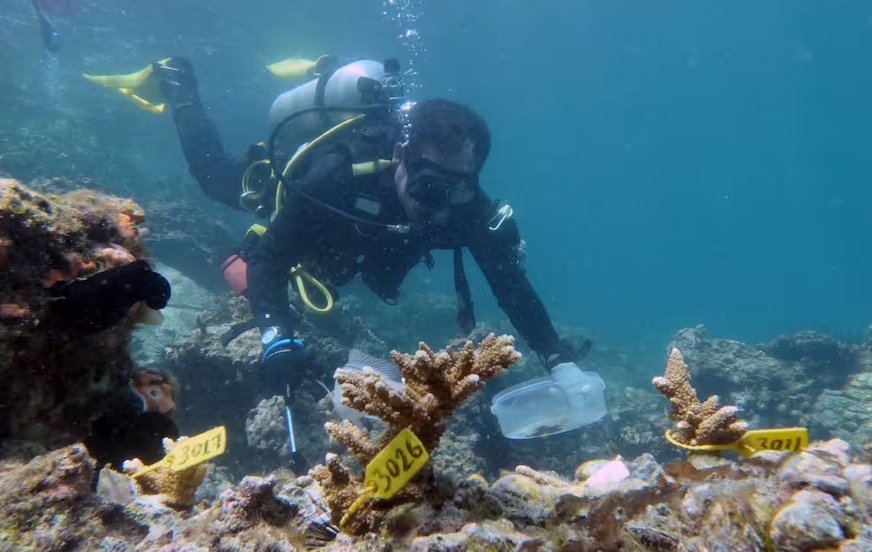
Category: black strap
<point>320,89</point>
<point>465,311</point>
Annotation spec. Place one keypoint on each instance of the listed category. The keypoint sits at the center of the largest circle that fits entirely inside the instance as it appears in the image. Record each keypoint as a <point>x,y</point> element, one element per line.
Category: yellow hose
<point>305,149</point>
<point>299,274</point>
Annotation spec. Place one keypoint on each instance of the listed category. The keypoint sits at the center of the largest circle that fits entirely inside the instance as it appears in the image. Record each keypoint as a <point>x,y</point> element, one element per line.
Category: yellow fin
<point>292,68</point>
<point>130,80</point>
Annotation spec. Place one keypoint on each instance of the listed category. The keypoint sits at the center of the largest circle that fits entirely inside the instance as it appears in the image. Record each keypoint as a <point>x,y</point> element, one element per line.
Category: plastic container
<point>566,400</point>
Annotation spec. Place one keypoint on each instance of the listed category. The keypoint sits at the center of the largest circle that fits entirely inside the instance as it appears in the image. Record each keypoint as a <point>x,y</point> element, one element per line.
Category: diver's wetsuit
<point>335,248</point>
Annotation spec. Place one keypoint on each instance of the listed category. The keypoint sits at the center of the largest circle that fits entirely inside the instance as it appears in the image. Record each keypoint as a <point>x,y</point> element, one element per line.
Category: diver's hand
<point>281,354</point>
<point>177,82</point>
<point>563,352</point>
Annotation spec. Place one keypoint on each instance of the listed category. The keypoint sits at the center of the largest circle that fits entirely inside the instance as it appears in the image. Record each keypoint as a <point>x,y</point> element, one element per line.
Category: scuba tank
<point>360,83</point>
<point>307,115</point>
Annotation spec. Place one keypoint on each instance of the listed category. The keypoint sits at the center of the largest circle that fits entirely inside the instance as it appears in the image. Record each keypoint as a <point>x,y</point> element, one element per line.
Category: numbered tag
<point>791,439</point>
<point>788,439</point>
<point>395,465</point>
<point>197,449</point>
<point>192,451</point>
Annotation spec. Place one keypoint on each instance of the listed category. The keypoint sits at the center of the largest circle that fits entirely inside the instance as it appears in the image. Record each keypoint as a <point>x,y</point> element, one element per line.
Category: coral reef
<point>846,412</point>
<point>435,384</point>
<point>806,379</point>
<point>57,379</point>
<point>176,489</point>
<point>252,412</point>
<point>770,391</point>
<point>265,427</point>
<point>697,423</point>
<point>818,499</point>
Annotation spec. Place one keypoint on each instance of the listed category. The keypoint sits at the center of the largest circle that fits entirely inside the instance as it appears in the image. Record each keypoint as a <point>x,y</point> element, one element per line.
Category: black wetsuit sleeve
<point>280,248</point>
<point>219,174</point>
<point>496,253</point>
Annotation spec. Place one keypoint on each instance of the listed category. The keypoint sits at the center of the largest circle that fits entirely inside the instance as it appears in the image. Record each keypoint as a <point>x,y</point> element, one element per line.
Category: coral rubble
<point>435,384</point>
<point>57,378</point>
<point>697,423</point>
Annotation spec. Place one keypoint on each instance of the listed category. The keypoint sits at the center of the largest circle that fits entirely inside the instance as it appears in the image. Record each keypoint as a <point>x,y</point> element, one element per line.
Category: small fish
<point>47,32</point>
<point>359,361</point>
<point>157,389</point>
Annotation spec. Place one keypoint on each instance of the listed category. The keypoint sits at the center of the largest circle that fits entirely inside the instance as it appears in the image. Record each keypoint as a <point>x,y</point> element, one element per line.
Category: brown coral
<point>435,384</point>
<point>175,489</point>
<point>705,423</point>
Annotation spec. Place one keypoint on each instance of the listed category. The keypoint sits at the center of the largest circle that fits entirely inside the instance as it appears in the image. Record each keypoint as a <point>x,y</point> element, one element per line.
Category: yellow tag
<point>788,439</point>
<point>197,449</point>
<point>191,452</point>
<point>791,439</point>
<point>395,465</point>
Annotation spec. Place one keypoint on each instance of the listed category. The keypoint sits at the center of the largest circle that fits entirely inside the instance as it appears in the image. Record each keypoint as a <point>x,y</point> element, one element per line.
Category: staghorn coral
<point>705,423</point>
<point>435,384</point>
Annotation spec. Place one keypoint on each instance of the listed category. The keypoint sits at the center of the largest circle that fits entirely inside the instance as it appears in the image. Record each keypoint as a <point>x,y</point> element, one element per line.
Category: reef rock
<point>769,391</point>
<point>818,499</point>
<point>56,380</point>
<point>847,411</point>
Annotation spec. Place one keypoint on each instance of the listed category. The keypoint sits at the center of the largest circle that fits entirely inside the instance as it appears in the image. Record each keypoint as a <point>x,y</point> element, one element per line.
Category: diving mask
<point>434,186</point>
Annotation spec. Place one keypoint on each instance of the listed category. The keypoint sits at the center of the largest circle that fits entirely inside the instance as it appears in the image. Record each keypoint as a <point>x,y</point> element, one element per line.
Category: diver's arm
<point>497,254</point>
<point>268,264</point>
<point>218,173</point>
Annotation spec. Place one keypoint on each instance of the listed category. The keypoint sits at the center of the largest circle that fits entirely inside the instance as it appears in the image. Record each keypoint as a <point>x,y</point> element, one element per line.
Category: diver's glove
<point>177,82</point>
<point>564,351</point>
<point>104,299</point>
<point>282,352</point>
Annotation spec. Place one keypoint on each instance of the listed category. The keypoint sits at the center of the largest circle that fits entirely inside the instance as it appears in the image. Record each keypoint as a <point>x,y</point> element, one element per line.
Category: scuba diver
<point>372,184</point>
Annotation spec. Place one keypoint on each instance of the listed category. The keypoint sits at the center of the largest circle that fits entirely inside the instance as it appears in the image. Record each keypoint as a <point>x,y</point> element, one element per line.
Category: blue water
<point>670,163</point>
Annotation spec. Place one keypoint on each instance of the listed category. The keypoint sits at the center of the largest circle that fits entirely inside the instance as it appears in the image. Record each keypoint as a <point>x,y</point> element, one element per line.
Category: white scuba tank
<point>341,89</point>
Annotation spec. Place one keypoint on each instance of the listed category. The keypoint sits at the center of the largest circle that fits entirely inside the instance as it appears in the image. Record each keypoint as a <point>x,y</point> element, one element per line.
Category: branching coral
<point>705,423</point>
<point>435,384</point>
<point>175,489</point>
